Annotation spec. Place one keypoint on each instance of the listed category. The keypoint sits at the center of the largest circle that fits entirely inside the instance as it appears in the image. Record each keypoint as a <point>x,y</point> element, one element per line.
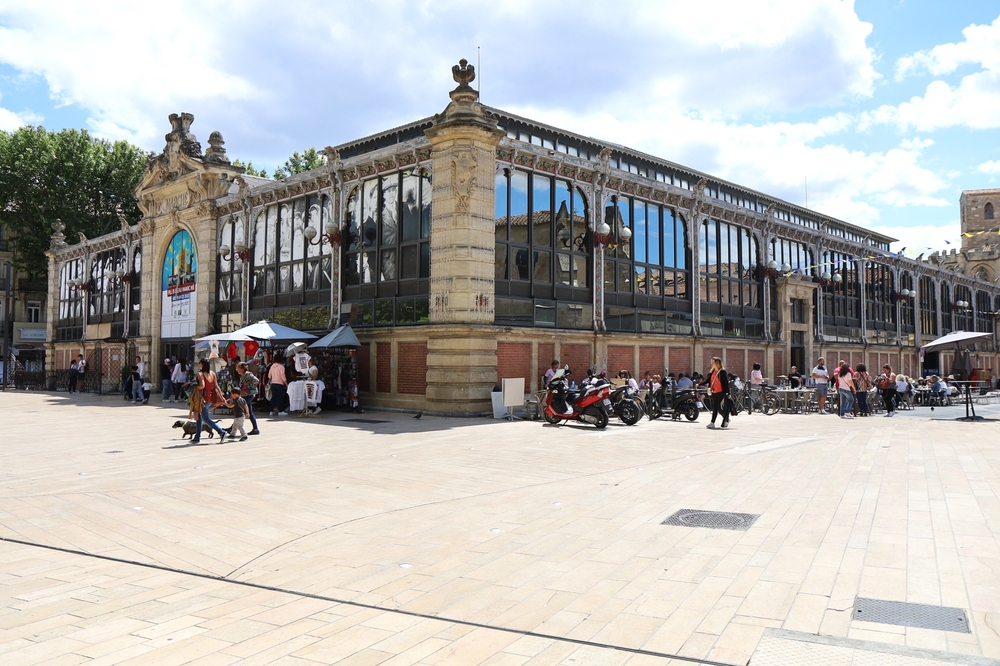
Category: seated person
<point>684,383</point>
<point>794,378</point>
<point>938,389</point>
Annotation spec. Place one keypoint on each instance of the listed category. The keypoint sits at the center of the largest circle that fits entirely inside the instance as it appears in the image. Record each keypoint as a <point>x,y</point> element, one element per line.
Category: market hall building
<point>476,245</point>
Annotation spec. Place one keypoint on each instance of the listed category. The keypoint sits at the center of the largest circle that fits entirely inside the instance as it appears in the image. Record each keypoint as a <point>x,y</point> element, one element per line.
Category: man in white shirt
<point>822,378</point>
<point>551,372</point>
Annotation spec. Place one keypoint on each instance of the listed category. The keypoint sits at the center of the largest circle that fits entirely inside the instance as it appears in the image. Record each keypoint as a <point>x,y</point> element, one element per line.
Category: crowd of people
<point>856,388</point>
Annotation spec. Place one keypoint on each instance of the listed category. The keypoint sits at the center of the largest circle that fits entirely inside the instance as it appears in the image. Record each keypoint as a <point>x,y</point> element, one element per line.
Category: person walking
<point>822,378</point>
<point>862,385</point>
<point>205,395</point>
<point>887,385</point>
<point>251,386</point>
<point>718,386</point>
<point>240,412</point>
<point>845,387</point>
<point>72,376</point>
<point>278,381</point>
<point>179,377</point>
<point>165,384</point>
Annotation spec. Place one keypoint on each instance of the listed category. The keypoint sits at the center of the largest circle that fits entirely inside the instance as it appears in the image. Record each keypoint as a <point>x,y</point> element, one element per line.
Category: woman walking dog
<point>207,393</point>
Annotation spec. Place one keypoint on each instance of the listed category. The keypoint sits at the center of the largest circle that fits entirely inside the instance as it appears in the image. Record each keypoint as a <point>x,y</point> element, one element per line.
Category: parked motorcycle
<point>626,405</point>
<point>670,401</point>
<point>589,404</point>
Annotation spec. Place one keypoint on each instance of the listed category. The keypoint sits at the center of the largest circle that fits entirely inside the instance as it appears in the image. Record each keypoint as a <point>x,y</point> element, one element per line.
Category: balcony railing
<point>27,284</point>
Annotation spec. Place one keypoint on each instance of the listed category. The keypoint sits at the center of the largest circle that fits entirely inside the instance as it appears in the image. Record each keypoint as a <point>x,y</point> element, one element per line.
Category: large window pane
<point>390,209</point>
<point>653,227</point>
<point>639,231</point>
<point>541,271</point>
<point>500,261</point>
<point>541,219</point>
<point>500,205</point>
<point>519,207</point>
<point>411,207</point>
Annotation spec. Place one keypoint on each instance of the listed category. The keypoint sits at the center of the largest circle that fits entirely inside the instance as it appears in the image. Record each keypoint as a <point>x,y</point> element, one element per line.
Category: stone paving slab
<point>525,543</point>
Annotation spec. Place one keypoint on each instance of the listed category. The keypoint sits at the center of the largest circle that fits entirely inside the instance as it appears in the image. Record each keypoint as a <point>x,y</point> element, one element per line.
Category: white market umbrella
<point>954,338</point>
<point>232,336</point>
<point>266,330</point>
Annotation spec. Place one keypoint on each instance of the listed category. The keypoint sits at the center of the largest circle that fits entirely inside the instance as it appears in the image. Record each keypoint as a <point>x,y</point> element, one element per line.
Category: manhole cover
<point>716,520</point>
<point>364,421</point>
<point>911,615</point>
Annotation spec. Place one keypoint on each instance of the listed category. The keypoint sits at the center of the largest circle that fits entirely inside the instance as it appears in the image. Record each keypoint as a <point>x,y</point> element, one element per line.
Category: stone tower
<point>980,212</point>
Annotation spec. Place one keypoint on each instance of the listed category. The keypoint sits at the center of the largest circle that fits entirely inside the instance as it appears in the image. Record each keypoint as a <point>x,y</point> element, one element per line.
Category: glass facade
<point>928,307</point>
<point>387,250</point>
<point>647,277</point>
<point>731,281</point>
<point>543,263</point>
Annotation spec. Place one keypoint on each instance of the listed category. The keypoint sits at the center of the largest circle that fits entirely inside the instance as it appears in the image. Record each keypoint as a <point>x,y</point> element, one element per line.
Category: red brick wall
<point>411,363</point>
<point>757,356</point>
<point>620,358</point>
<point>514,360</point>
<point>779,366</point>
<point>680,361</point>
<point>577,357</point>
<point>364,367</point>
<point>873,364</point>
<point>383,368</point>
<point>651,360</point>
<point>734,362</point>
<point>706,361</point>
<point>546,354</point>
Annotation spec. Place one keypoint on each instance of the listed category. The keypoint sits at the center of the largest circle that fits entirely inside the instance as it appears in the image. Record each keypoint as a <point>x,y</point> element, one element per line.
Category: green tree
<point>249,169</point>
<point>68,175</point>
<point>299,162</point>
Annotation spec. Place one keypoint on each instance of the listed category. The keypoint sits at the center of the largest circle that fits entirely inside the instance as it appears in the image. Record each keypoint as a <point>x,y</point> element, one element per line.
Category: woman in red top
<point>208,385</point>
<point>718,383</point>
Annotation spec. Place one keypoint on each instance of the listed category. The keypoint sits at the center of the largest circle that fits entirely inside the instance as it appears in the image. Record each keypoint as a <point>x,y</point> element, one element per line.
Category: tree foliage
<point>68,175</point>
<point>299,162</point>
<point>249,169</point>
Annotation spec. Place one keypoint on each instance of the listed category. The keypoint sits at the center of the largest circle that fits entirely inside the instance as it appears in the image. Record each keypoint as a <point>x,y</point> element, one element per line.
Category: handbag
<point>267,391</point>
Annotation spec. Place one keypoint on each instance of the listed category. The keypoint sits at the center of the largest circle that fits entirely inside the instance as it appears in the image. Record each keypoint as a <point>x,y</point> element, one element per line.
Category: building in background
<point>26,327</point>
<point>477,244</point>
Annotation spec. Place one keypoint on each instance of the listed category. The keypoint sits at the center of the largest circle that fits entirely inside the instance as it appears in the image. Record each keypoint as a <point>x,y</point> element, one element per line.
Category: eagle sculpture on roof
<point>464,73</point>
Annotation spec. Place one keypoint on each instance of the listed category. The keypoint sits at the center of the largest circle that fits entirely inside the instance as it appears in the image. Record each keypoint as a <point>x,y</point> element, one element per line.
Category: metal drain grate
<point>911,615</point>
<point>364,421</point>
<point>716,520</point>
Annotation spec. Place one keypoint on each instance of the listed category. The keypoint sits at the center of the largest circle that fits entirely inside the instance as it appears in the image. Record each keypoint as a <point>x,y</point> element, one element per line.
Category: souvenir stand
<point>336,355</point>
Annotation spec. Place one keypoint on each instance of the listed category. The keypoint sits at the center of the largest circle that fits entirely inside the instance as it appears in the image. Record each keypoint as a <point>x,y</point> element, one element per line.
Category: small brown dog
<point>191,427</point>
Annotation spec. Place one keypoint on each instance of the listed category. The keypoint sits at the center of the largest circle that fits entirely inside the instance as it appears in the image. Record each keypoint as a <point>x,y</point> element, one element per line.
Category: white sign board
<point>513,392</point>
<point>32,334</point>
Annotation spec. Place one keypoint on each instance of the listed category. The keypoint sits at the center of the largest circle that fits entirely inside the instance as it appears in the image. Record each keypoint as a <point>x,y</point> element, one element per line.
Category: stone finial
<point>58,239</point>
<point>216,151</point>
<point>464,73</point>
<point>180,137</point>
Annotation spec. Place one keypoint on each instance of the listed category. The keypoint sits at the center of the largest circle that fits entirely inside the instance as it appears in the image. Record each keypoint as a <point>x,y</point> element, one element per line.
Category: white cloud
<point>776,158</point>
<point>277,77</point>
<point>972,103</point>
<point>923,239</point>
<point>10,121</point>
<point>991,167</point>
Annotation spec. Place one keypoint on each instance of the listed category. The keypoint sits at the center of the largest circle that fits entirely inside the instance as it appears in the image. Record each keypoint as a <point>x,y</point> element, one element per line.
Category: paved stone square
<point>468,541</point>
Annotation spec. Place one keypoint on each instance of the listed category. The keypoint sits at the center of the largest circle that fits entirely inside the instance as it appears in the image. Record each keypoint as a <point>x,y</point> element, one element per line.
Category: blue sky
<point>888,108</point>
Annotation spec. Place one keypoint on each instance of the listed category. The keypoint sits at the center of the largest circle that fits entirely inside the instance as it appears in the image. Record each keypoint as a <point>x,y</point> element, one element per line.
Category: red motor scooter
<point>590,405</point>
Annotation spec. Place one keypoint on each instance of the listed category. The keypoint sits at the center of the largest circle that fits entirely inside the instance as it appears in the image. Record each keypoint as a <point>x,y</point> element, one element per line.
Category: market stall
<point>336,355</point>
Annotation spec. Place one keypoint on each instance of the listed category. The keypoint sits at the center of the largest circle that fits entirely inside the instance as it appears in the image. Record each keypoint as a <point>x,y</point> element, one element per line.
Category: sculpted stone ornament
<point>180,136</point>
<point>464,74</point>
<point>216,153</point>
<point>463,178</point>
<point>58,238</point>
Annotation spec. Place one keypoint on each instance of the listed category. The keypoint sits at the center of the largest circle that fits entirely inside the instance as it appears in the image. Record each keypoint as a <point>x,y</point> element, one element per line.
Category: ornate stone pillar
<point>461,361</point>
<point>861,264</point>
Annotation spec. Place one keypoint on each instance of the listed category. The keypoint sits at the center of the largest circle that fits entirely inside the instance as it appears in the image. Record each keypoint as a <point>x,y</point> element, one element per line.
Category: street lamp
<point>331,234</point>
<point>239,249</point>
